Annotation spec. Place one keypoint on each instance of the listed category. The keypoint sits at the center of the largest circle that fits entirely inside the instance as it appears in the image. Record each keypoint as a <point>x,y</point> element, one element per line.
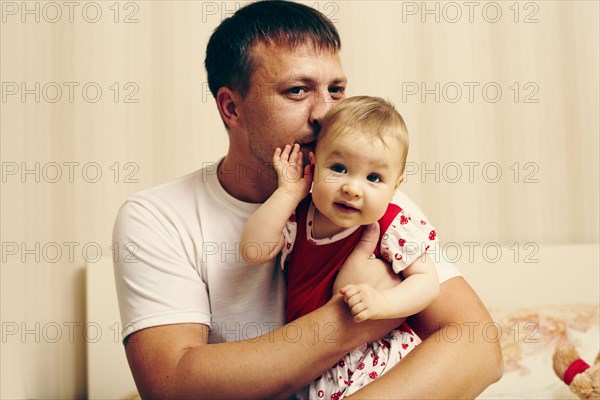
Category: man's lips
<point>345,208</point>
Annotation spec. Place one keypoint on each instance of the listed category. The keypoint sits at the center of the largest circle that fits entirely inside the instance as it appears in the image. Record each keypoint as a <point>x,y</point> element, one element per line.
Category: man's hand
<point>292,177</point>
<point>436,359</point>
<point>361,270</point>
<point>366,245</point>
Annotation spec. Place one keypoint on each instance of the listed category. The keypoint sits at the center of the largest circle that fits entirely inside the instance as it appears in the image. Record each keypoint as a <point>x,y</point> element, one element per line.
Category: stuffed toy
<point>582,379</point>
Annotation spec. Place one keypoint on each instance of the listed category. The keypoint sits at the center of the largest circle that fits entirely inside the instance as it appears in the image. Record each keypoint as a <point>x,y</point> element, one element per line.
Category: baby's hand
<point>292,177</point>
<point>365,302</point>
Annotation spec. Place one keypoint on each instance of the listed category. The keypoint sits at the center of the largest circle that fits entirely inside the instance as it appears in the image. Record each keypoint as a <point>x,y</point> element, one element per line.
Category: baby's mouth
<point>345,208</point>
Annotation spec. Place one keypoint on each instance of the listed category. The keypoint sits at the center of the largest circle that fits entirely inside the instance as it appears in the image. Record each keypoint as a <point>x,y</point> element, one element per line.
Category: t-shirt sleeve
<point>405,240</point>
<point>289,237</point>
<point>156,282</point>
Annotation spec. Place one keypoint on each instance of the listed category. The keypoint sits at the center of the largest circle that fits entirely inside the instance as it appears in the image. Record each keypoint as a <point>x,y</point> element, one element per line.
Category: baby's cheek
<point>319,194</point>
<point>376,211</point>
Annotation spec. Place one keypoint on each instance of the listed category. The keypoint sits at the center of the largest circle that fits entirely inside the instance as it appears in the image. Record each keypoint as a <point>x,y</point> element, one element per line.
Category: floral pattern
<point>528,337</point>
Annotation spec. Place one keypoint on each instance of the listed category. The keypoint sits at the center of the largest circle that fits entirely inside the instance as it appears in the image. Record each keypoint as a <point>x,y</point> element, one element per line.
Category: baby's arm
<point>419,288</point>
<point>262,236</point>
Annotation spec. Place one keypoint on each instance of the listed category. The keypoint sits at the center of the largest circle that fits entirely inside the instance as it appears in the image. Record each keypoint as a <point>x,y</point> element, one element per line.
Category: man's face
<point>290,93</point>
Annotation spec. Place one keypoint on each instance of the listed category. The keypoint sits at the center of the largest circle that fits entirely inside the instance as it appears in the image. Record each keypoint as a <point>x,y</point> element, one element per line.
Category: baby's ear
<point>399,181</point>
<point>312,158</point>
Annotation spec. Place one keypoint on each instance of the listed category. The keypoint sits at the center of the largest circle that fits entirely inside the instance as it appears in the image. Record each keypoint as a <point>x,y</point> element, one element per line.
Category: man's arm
<point>458,357</point>
<point>175,361</point>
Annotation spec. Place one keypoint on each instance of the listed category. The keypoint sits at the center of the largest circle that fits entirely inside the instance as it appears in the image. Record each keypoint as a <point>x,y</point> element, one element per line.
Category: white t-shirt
<point>183,262</point>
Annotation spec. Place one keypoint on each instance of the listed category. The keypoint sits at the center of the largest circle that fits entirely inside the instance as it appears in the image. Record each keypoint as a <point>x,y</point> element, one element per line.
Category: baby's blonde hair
<point>365,115</point>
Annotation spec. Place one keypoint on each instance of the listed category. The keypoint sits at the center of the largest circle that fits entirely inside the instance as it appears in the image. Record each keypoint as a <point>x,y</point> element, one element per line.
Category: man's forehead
<point>265,50</point>
<point>294,61</point>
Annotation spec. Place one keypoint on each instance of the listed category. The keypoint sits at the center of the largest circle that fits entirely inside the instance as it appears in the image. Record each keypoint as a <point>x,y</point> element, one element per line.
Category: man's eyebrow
<point>309,80</point>
<point>338,81</point>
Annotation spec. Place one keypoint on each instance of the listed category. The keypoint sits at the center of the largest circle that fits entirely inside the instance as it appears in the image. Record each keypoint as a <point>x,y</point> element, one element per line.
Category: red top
<point>312,269</point>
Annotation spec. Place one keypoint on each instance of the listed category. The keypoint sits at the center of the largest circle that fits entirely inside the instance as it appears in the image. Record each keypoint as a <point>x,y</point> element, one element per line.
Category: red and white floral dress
<point>312,266</point>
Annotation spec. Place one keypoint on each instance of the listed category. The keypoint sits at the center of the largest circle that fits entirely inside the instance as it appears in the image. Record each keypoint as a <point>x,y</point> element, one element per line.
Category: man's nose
<point>322,102</point>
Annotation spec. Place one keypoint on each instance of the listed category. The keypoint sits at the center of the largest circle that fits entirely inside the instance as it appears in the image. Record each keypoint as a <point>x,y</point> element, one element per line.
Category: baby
<point>358,165</point>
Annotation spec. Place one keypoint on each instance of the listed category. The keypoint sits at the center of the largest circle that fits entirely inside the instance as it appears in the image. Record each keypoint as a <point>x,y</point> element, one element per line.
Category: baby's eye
<point>375,178</point>
<point>338,168</point>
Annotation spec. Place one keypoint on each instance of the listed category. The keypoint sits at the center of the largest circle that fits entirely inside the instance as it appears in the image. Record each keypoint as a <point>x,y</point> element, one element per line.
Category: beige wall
<point>164,124</point>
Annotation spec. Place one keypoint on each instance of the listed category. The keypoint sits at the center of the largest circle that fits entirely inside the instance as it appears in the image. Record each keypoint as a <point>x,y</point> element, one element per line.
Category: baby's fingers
<point>285,154</point>
<point>349,291</point>
<point>308,172</point>
<point>277,156</point>
<point>353,299</point>
<point>361,316</point>
<point>296,155</point>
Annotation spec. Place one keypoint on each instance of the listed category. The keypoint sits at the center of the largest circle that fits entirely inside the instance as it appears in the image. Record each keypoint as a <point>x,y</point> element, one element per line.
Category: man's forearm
<point>274,365</point>
<point>458,358</point>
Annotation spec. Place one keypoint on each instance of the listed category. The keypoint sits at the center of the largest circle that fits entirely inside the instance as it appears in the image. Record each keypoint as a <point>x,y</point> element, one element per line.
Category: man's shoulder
<point>180,190</point>
<point>169,204</point>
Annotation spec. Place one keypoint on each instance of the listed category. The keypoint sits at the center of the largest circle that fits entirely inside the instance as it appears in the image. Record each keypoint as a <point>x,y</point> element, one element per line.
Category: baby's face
<point>355,178</point>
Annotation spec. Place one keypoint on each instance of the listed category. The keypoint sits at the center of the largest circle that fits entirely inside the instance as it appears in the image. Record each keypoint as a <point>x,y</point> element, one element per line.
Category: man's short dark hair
<point>228,53</point>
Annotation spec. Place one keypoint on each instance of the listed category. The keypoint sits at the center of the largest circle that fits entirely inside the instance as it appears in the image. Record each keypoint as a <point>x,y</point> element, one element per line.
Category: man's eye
<point>297,91</point>
<point>373,178</point>
<point>337,91</point>
<point>338,168</point>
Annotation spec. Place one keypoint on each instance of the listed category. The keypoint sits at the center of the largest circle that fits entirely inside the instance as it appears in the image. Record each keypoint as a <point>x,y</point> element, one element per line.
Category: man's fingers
<point>365,246</point>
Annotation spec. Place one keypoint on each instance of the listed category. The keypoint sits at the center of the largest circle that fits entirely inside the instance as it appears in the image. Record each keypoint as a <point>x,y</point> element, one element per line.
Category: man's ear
<point>227,101</point>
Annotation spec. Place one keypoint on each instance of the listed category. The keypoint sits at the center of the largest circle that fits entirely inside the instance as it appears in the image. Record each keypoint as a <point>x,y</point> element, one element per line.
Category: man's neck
<point>248,182</point>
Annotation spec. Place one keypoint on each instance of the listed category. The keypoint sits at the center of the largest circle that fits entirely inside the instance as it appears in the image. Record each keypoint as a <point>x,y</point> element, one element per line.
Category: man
<point>188,301</point>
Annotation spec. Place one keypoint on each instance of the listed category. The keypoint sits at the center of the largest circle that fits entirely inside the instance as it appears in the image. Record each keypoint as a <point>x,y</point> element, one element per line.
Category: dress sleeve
<point>289,237</point>
<point>405,240</point>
